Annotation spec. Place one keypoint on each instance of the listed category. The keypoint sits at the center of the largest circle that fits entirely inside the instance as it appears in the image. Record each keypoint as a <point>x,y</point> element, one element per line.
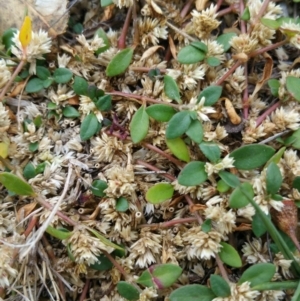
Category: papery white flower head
<point>40,44</point>
<point>200,108</point>
<point>4,73</point>
<point>227,162</point>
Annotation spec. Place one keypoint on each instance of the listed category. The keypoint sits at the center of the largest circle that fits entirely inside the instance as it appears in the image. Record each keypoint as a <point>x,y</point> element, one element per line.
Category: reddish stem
<point>246,94</point>
<point>225,11</point>
<point>85,290</point>
<point>151,167</point>
<point>228,73</point>
<point>268,48</point>
<point>263,116</point>
<point>31,225</point>
<point>116,264</point>
<point>122,39</point>
<point>186,8</point>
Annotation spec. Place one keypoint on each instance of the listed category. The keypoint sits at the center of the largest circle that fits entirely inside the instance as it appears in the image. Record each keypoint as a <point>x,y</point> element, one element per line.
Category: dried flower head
<point>5,73</point>
<point>226,162</point>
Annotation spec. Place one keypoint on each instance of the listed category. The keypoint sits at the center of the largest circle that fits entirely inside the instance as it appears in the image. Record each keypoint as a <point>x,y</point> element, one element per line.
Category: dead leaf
<point>74,101</point>
<point>108,13</point>
<point>197,207</point>
<point>18,89</point>
<point>50,15</point>
<point>25,211</point>
<point>200,4</point>
<point>172,48</point>
<point>232,114</point>
<point>150,51</point>
<point>156,8</point>
<point>243,227</point>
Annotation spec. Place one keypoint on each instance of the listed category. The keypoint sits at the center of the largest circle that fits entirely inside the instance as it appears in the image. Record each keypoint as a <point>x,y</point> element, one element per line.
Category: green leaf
<point>252,156</point>
<point>60,234</point>
<point>80,86</point>
<point>229,178</point>
<point>200,45</point>
<point>219,286</point>
<point>40,168</point>
<point>274,86</point>
<point>246,14</point>
<point>276,157</point>
<point>160,112</point>
<point>224,40</point>
<point>230,256</point>
<point>206,226</point>
<point>193,174</point>
<point>105,2</point>
<point>293,86</point>
<point>70,112</point>
<point>238,198</point>
<point>128,291</point>
<point>119,62</point>
<point>34,85</point>
<point>15,184</point>
<point>195,131</point>
<point>103,264</point>
<point>211,151</point>
<point>213,61</point>
<point>89,127</point>
<point>211,95</point>
<point>258,225</point>
<point>164,275</point>
<point>139,125</point>
<point>179,149</point>
<point>178,124</point>
<point>273,178</point>
<point>273,24</point>
<point>159,193</point>
<point>258,274</point>
<point>103,103</point>
<point>62,75</point>
<point>98,187</point>
<point>296,183</point>
<point>38,121</point>
<point>7,38</point>
<point>146,279</point>
<point>42,72</point>
<point>101,34</point>
<point>190,55</point>
<point>93,92</point>
<point>192,292</point>
<point>222,186</point>
<point>29,171</point>
<point>122,204</point>
<point>171,89</point>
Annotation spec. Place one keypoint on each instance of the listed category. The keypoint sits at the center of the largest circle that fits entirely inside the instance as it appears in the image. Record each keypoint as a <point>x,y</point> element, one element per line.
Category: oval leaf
<point>193,174</point>
<point>62,75</point>
<point>146,279</point>
<point>229,178</point>
<point>293,86</point>
<point>34,85</point>
<point>230,256</point>
<point>258,274</point>
<point>15,184</point>
<point>178,124</point>
<point>120,62</point>
<point>273,178</point>
<point>160,112</point>
<point>80,86</point>
<point>103,263</point>
<point>98,187</point>
<point>258,225</point>
<point>89,127</point>
<point>252,156</point>
<point>190,55</point>
<point>70,112</point>
<point>193,292</point>
<point>159,193</point>
<point>128,291</point>
<point>219,286</point>
<point>211,94</point>
<point>224,40</point>
<point>211,151</point>
<point>195,131</point>
<point>164,275</point>
<point>122,204</point>
<point>139,125</point>
<point>171,89</point>
<point>179,149</point>
<point>238,199</point>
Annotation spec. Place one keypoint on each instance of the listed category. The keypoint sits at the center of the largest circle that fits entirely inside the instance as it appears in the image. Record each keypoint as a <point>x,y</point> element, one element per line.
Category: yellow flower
<point>25,34</point>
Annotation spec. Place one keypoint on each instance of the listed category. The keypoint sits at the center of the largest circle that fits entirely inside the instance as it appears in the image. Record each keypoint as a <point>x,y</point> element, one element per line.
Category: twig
<point>181,32</point>
<point>262,117</point>
<point>171,223</point>
<point>85,290</point>
<point>274,137</point>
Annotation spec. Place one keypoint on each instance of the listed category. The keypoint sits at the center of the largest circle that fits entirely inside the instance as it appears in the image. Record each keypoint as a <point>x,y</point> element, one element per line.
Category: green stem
<point>296,296</point>
<point>284,285</point>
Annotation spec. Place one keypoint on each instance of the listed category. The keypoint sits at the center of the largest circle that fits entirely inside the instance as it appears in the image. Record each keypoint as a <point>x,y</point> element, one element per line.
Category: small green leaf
<point>80,86</point>
<point>258,274</point>
<point>213,61</point>
<point>296,183</point>
<point>101,34</point>
<point>211,151</point>
<point>60,234</point>
<point>206,226</point>
<point>200,45</point>
<point>273,24</point>
<point>211,95</point>
<point>119,62</point>
<point>178,148</point>
<point>14,184</point>
<point>34,85</point>
<point>293,86</point>
<point>89,127</point>
<point>193,174</point>
<point>192,292</point>
<point>42,72</point>
<point>105,2</point>
<point>178,124</point>
<point>258,225</point>
<point>161,112</point>
<point>103,263</point>
<point>103,103</point>
<point>229,178</point>
<point>190,55</point>
<point>222,186</point>
<point>70,112</point>
<point>219,286</point>
<point>122,204</point>
<point>273,178</point>
<point>195,131</point>
<point>38,121</point>
<point>274,86</point>
<point>7,38</point>
<point>40,168</point>
<point>230,256</point>
<point>238,199</point>
<point>159,193</point>
<point>276,157</point>
<point>93,92</point>
<point>128,291</point>
<point>139,125</point>
<point>62,75</point>
<point>246,14</point>
<point>98,187</point>
<point>252,156</point>
<point>224,40</point>
<point>164,275</point>
<point>146,279</point>
<point>29,171</point>
<point>171,89</point>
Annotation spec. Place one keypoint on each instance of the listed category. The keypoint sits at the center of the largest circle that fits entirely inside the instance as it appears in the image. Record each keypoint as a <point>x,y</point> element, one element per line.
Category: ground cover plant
<point>149,151</point>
